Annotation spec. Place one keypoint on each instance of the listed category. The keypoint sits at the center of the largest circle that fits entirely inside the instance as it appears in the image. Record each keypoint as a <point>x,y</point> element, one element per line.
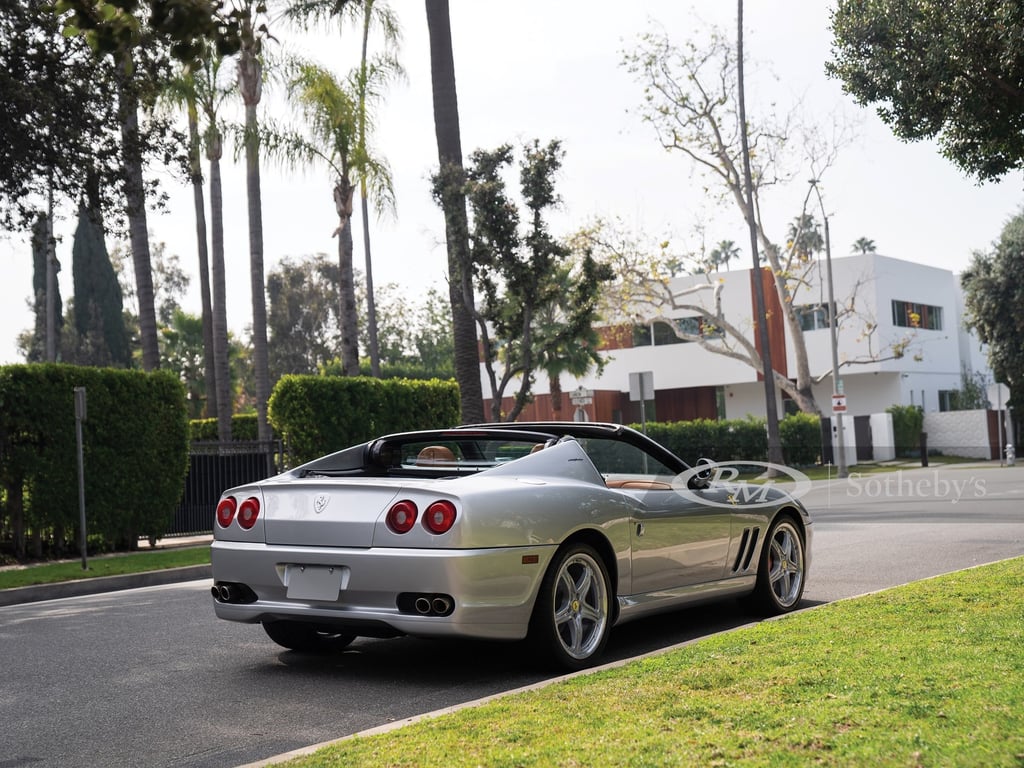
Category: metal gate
<point>214,467</point>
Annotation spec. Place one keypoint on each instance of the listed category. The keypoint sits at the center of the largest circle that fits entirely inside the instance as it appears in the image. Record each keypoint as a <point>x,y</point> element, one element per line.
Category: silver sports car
<point>550,531</point>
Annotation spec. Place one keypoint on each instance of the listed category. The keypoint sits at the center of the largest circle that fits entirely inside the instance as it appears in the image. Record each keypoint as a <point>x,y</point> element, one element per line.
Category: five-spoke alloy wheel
<point>572,617</point>
<point>782,568</point>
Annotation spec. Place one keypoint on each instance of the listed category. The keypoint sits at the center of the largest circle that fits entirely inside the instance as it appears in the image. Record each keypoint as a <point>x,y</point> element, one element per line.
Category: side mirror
<point>700,479</point>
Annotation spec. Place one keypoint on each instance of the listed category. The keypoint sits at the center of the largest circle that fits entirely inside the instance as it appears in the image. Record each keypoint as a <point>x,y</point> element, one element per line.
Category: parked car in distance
<point>552,531</point>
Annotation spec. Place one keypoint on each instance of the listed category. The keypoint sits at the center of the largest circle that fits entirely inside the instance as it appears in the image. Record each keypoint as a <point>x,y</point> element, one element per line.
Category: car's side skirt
<point>636,606</point>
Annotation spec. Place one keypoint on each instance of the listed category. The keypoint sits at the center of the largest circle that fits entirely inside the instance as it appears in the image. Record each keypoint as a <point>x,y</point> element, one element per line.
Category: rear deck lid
<point>326,512</point>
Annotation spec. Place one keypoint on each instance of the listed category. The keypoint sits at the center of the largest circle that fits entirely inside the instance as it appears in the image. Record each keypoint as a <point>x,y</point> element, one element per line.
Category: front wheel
<point>782,568</point>
<point>306,638</point>
<point>572,617</point>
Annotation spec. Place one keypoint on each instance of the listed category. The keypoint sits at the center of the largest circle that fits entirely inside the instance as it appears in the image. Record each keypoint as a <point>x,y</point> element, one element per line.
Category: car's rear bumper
<point>493,590</point>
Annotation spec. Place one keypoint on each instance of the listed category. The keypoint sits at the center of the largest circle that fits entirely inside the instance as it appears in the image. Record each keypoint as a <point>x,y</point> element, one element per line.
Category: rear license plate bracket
<point>315,582</point>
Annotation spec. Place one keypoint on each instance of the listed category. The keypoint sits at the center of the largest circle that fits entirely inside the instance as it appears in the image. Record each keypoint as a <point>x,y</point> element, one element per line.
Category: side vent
<point>745,553</point>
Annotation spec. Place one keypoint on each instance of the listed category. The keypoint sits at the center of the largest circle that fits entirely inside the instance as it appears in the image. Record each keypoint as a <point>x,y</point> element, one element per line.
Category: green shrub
<point>726,440</point>
<point>135,446</point>
<point>739,439</point>
<point>244,426</point>
<point>800,435</point>
<point>319,414</point>
<point>907,421</point>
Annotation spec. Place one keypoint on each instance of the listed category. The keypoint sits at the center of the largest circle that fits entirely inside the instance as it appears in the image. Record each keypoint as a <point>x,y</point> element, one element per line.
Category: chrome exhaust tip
<point>441,605</point>
<point>422,606</point>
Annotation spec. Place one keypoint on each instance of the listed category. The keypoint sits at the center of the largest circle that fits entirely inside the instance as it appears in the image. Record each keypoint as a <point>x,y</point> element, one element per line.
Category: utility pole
<point>841,469</point>
<point>770,405</point>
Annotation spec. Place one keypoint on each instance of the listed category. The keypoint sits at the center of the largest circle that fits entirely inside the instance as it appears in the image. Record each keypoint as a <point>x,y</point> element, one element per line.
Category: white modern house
<point>901,341</point>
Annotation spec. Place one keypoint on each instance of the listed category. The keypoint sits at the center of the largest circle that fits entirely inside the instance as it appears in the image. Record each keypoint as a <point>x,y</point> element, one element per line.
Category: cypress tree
<point>98,305</point>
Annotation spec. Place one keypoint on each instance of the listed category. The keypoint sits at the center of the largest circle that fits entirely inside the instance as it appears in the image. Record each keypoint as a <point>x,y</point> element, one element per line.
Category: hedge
<point>738,439</point>
<point>135,446</point>
<point>907,421</point>
<point>243,427</point>
<point>319,414</point>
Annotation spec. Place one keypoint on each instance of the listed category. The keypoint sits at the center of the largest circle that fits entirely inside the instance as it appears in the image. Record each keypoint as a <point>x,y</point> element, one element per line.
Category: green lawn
<point>107,565</point>
<point>931,674</point>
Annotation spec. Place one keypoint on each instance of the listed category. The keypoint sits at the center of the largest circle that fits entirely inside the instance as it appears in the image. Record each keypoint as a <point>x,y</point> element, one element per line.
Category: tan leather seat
<point>435,455</point>
<point>537,447</point>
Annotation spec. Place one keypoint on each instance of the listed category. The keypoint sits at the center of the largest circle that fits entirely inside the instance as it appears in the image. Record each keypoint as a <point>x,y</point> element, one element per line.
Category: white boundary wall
<point>958,433</point>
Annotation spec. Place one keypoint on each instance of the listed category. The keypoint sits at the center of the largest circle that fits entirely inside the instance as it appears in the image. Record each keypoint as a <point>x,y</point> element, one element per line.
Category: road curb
<point>100,584</point>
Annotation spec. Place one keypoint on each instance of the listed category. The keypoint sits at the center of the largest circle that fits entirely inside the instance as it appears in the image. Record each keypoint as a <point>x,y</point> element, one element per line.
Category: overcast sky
<point>550,70</point>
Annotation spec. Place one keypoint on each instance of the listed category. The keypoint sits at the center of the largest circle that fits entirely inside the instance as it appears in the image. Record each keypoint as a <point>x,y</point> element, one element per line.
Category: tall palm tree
<point>804,236</point>
<point>250,85</point>
<point>369,80</point>
<point>135,197</point>
<point>183,92</point>
<point>723,253</point>
<point>211,94</point>
<point>863,245</point>
<point>381,70</point>
<point>449,192</point>
<point>329,109</point>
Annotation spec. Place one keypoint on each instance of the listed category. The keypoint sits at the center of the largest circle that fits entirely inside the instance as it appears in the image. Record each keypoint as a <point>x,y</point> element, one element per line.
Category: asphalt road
<point>149,677</point>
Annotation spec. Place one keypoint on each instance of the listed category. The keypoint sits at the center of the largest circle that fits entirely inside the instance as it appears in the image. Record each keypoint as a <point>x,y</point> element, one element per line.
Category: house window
<point>664,333</point>
<point>812,317</point>
<point>660,332</point>
<point>907,314</point>
<point>947,399</point>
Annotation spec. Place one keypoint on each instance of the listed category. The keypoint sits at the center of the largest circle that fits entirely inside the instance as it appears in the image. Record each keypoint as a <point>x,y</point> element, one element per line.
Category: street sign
<point>838,403</point>
<point>641,386</point>
<point>581,396</point>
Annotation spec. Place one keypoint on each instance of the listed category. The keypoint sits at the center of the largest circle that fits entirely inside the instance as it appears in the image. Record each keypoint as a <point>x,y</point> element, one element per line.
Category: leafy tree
<point>566,348</point>
<point>432,336</point>
<point>528,317</point>
<point>449,192</point>
<point>951,71</point>
<point>993,287</point>
<point>181,351</point>
<point>98,307</point>
<point>303,316</point>
<point>57,105</point>
<point>189,27</point>
<point>863,245</point>
<point>973,392</point>
<point>691,100</point>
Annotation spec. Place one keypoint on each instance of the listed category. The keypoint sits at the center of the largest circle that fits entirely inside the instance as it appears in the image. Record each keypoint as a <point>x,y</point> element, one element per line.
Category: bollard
<point>924,449</point>
<point>1011,455</point>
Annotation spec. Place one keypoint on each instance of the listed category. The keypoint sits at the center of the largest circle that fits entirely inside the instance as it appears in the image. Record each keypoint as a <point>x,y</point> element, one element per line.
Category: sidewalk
<point>100,584</point>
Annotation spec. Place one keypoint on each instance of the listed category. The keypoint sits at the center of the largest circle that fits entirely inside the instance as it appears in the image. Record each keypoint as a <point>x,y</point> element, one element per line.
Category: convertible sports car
<point>549,531</point>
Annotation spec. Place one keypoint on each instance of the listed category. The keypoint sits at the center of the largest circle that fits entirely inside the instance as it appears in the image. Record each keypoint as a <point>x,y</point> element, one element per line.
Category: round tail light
<point>225,512</point>
<point>402,516</point>
<point>439,517</point>
<point>248,511</point>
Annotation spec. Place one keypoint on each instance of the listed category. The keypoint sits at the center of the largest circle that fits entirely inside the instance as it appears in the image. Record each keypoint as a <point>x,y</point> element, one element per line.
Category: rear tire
<point>782,569</point>
<point>306,638</point>
<point>572,616</point>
